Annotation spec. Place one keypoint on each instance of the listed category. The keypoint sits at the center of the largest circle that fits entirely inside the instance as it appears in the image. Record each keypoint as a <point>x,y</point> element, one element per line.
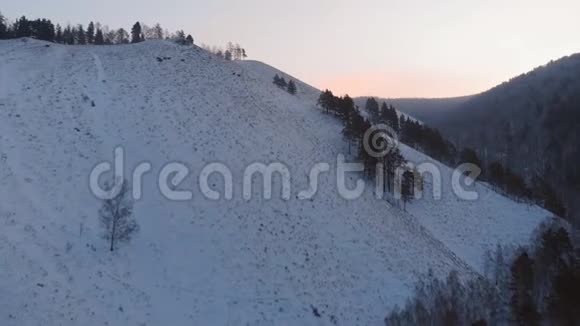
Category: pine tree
<point>279,81</point>
<point>523,307</point>
<point>372,108</point>
<point>91,33</point>
<point>189,40</point>
<point>99,39</point>
<point>180,37</point>
<point>345,108</point>
<point>136,35</point>
<point>327,101</point>
<point>393,118</point>
<point>68,35</point>
<point>349,132</point>
<point>22,28</point>
<point>81,35</point>
<point>407,188</point>
<point>3,27</point>
<point>276,80</point>
<point>291,87</point>
<point>58,37</point>
<point>391,161</point>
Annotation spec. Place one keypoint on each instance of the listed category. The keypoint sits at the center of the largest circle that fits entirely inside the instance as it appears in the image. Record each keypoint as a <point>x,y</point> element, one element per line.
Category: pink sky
<point>404,84</point>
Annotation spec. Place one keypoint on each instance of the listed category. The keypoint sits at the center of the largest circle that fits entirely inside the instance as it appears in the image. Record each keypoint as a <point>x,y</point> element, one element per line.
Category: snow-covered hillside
<point>324,261</point>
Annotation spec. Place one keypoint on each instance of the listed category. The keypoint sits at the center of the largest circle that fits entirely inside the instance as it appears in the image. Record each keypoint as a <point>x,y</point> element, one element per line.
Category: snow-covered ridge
<point>64,109</point>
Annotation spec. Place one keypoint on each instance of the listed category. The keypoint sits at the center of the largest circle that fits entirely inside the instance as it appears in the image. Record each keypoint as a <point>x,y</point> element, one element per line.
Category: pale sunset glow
<point>366,47</point>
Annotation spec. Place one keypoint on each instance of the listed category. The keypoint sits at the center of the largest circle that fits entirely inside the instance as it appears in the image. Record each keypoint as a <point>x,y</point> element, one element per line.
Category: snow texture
<point>324,261</point>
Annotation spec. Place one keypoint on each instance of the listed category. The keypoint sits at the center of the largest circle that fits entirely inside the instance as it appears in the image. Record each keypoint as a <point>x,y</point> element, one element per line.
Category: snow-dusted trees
<point>231,52</point>
<point>237,52</point>
<point>116,218</point>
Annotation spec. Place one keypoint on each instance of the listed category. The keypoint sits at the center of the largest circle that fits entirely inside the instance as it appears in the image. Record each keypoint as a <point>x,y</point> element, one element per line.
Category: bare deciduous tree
<point>116,218</point>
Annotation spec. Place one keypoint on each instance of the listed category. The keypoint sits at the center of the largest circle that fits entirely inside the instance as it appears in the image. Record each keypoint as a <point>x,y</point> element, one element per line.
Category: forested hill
<point>529,124</point>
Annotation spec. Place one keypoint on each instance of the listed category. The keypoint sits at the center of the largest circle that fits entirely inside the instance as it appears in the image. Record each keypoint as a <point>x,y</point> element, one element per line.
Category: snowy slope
<point>200,262</point>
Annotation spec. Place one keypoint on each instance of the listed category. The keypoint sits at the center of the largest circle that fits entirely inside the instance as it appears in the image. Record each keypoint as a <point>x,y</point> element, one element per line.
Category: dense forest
<point>510,181</point>
<point>529,124</point>
<point>537,285</point>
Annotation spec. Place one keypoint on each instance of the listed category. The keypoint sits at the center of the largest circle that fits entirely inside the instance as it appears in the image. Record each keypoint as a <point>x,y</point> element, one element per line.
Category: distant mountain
<point>530,123</point>
<point>427,110</point>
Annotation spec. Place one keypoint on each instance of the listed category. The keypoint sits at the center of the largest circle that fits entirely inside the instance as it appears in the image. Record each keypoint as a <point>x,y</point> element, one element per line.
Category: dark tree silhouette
<point>136,33</point>
<point>99,39</point>
<point>523,307</point>
<point>189,40</point>
<point>407,187</point>
<point>291,87</point>
<point>372,108</point>
<point>3,27</point>
<point>91,33</point>
<point>58,37</point>
<point>81,36</point>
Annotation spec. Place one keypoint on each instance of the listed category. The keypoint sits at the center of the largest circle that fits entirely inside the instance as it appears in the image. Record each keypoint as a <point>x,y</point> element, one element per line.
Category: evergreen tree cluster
<point>289,86</point>
<point>539,286</point>
<point>94,33</point>
<point>42,29</point>
<point>180,38</point>
<point>430,141</point>
<point>355,125</point>
<point>511,184</point>
<point>426,139</point>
